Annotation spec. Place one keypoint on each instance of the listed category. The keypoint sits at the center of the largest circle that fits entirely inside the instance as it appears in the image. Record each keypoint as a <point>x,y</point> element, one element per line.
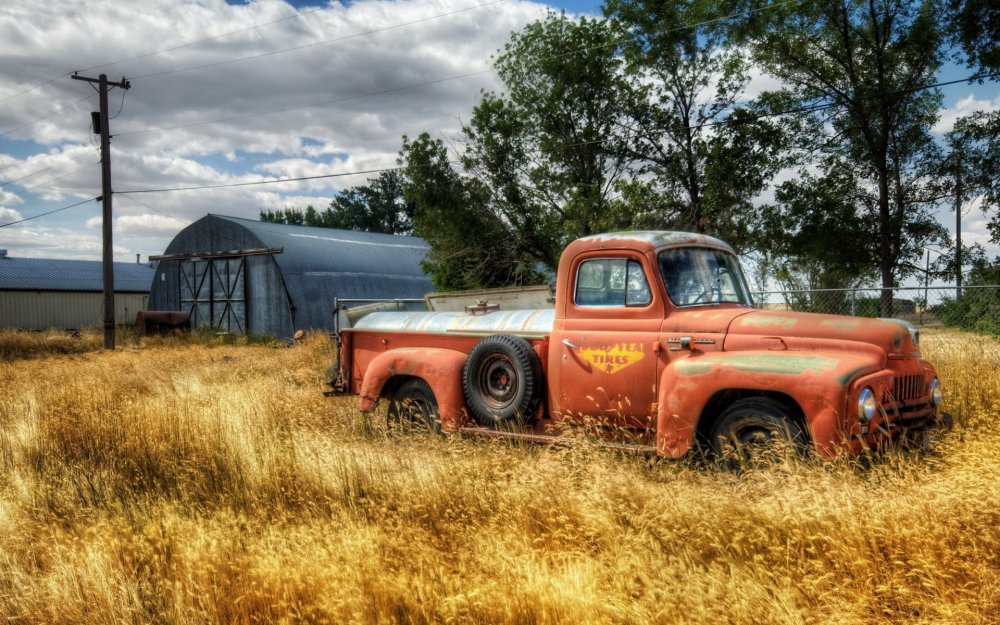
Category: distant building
<point>249,277</point>
<point>41,293</point>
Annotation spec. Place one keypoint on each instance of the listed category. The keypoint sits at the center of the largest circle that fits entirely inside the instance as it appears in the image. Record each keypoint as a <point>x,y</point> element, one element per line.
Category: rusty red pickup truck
<point>653,340</point>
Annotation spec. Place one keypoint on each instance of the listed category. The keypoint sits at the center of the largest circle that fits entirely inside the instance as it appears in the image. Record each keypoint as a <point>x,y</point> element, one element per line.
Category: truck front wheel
<point>502,380</point>
<point>413,407</point>
<point>756,430</point>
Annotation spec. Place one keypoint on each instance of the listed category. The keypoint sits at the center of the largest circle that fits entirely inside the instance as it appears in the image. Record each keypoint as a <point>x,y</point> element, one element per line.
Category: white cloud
<point>7,198</point>
<point>339,104</point>
<point>9,214</point>
<point>148,225</point>
<point>966,106</point>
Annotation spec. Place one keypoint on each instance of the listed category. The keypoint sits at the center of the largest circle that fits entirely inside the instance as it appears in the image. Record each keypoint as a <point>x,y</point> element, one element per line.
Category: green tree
<point>471,246</point>
<point>815,222</point>
<point>971,172</point>
<point>975,25</point>
<point>977,310</point>
<point>703,158</point>
<point>289,216</point>
<point>379,206</point>
<point>861,66</point>
<point>549,149</point>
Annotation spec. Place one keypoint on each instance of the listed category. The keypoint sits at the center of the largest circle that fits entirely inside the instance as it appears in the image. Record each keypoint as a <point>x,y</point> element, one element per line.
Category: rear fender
<point>818,381</point>
<point>440,368</point>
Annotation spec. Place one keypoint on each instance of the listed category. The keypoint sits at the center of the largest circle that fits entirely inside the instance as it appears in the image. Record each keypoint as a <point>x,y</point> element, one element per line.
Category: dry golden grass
<point>205,483</point>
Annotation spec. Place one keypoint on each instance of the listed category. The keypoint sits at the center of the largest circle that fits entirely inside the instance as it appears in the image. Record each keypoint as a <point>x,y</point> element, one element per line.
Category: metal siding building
<point>42,293</point>
<point>250,277</point>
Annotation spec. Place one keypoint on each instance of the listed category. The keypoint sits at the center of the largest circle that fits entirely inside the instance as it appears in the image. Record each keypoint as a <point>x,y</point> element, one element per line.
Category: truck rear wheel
<point>413,408</point>
<point>756,431</point>
<point>502,380</point>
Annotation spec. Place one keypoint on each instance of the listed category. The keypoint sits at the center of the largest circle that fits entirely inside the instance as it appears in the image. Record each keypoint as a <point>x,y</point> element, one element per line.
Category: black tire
<point>757,431</point>
<point>413,408</point>
<point>502,380</point>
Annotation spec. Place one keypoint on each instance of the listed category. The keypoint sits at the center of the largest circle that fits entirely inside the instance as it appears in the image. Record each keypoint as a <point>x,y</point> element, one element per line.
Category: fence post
<point>854,303</point>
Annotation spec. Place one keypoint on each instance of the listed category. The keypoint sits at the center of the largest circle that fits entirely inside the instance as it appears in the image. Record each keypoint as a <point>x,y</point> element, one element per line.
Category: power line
<point>194,43</point>
<point>59,177</point>
<point>20,221</point>
<point>709,124</point>
<point>38,86</point>
<point>318,43</point>
<point>43,117</point>
<point>304,106</point>
<point>40,171</point>
<point>437,81</point>
<point>35,173</point>
<point>157,52</point>
<point>262,182</point>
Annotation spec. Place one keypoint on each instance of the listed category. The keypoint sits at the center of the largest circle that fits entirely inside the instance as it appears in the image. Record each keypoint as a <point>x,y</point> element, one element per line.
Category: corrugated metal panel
<point>48,274</point>
<point>64,310</point>
<point>296,288</point>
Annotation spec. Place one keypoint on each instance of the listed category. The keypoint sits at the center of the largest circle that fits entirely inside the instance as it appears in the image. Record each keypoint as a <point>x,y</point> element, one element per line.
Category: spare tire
<point>502,380</point>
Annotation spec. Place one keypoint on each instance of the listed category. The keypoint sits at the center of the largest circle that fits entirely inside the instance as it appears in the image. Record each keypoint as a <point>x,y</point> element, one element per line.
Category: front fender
<point>818,381</point>
<point>440,368</point>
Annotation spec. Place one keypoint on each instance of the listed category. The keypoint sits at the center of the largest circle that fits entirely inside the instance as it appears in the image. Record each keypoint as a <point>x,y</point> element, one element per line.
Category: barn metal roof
<point>50,274</point>
<point>318,264</point>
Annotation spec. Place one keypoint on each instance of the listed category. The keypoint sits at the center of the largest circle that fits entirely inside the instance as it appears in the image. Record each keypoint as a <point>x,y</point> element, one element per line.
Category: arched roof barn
<point>251,277</point>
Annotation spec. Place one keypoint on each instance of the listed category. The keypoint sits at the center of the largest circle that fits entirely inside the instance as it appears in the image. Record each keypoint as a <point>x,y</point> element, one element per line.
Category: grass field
<point>174,482</point>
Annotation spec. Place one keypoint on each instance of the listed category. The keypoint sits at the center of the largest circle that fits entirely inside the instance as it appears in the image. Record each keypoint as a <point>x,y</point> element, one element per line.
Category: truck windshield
<point>699,276</point>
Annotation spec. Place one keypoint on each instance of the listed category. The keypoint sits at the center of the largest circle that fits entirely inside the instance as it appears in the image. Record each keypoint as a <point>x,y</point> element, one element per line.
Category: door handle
<point>569,344</point>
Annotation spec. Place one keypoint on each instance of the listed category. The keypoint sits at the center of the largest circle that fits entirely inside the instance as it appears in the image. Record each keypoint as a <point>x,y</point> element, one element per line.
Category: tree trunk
<point>886,264</point>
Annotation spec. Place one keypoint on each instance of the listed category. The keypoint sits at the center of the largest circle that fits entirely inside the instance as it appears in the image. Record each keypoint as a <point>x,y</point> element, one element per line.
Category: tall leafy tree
<point>969,175</point>
<point>975,25</point>
<point>863,66</point>
<point>703,156</point>
<point>815,222</point>
<point>379,206</point>
<point>471,245</point>
<point>549,148</point>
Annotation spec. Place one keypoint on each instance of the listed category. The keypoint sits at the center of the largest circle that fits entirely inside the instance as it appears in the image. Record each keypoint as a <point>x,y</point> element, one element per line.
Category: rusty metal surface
<point>518,322</point>
<point>161,321</point>
<point>669,369</point>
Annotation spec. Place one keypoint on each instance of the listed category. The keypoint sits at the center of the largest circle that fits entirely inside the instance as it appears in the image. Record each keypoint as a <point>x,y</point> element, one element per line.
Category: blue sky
<point>229,93</point>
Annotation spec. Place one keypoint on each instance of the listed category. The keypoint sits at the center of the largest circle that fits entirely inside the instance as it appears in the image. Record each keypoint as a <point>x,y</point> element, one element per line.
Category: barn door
<point>196,294</point>
<point>228,295</point>
<point>214,292</point>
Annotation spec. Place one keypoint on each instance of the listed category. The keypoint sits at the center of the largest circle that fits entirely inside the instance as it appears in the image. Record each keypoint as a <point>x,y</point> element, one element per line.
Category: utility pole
<point>108,256</point>
<point>958,226</point>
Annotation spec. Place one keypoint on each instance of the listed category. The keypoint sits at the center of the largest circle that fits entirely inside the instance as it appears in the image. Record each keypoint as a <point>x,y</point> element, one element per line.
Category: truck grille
<point>907,387</point>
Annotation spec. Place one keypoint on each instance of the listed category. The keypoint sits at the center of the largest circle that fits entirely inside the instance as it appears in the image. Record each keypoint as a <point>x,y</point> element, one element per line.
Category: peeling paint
<point>764,321</point>
<point>758,363</point>
<point>840,324</point>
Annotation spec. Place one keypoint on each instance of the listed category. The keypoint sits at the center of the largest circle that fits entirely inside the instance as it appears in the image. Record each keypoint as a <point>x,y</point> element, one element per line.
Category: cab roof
<point>650,239</point>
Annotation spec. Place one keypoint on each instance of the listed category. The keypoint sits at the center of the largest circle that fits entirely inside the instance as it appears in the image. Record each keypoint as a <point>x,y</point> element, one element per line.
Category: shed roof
<point>52,274</point>
<point>319,264</point>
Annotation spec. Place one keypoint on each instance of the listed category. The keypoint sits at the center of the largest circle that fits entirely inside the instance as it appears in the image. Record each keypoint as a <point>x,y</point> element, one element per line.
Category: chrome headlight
<point>937,396</point>
<point>867,407</point>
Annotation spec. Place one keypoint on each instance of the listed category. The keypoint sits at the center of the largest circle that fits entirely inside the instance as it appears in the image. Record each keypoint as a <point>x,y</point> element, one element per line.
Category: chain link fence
<point>974,308</point>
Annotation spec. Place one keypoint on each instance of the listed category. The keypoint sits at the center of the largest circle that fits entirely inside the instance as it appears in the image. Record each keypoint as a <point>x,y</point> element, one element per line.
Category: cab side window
<point>611,282</point>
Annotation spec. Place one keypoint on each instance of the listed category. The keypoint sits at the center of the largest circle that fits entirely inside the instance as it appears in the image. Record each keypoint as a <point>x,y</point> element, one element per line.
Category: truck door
<point>604,352</point>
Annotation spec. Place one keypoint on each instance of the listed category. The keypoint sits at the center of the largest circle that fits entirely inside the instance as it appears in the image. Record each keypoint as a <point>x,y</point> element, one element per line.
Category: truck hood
<point>765,329</point>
